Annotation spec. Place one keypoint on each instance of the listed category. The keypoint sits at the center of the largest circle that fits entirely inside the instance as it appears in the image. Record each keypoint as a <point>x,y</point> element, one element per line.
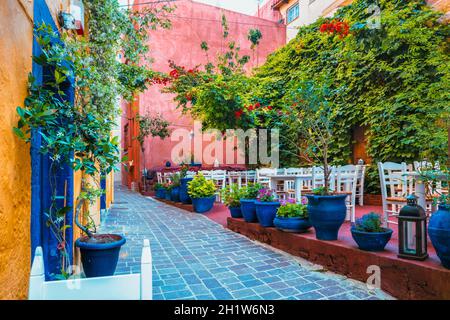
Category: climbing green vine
<point>78,133</point>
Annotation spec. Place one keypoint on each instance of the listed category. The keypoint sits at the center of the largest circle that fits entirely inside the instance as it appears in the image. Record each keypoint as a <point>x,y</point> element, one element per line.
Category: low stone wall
<point>404,279</point>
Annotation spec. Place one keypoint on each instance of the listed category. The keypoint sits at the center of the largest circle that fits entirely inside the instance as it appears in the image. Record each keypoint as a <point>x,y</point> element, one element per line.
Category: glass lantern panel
<point>424,238</point>
<point>409,241</point>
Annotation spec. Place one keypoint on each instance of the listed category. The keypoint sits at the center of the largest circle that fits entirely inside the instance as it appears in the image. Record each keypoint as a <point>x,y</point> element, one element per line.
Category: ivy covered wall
<point>394,79</point>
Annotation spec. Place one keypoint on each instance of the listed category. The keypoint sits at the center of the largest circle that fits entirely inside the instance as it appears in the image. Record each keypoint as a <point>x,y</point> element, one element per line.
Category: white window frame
<point>290,9</point>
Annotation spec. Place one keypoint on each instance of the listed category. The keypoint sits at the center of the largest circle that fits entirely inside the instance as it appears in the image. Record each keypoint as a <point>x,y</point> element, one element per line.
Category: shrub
<point>159,186</point>
<point>232,195</point>
<point>176,180</point>
<point>292,210</point>
<point>370,222</point>
<point>199,187</point>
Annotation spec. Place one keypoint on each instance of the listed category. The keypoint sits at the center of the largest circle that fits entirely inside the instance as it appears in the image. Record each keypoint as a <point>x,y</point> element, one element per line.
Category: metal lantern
<point>412,231</point>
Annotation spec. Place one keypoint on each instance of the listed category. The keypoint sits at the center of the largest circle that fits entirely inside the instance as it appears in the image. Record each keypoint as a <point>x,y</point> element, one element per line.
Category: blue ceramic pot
<point>235,212</point>
<point>266,212</point>
<point>296,225</point>
<point>202,205</point>
<point>439,232</point>
<point>168,195</point>
<point>175,194</point>
<point>161,193</point>
<point>326,214</point>
<point>371,241</point>
<point>100,259</point>
<point>184,196</point>
<point>248,209</point>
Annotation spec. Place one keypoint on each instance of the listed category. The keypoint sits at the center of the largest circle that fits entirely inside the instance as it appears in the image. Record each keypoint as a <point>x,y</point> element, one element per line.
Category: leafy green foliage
<point>292,210</point>
<point>199,187</point>
<point>370,222</point>
<point>232,195</point>
<point>394,79</point>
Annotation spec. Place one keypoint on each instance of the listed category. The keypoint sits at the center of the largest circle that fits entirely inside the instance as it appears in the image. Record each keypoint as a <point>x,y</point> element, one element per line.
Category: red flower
<point>251,107</point>
<point>269,107</point>
<point>188,96</point>
<point>257,105</point>
<point>174,74</point>
<point>238,114</point>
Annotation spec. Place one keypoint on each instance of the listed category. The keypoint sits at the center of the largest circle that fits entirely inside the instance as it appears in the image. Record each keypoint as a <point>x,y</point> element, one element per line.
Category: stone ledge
<point>403,279</point>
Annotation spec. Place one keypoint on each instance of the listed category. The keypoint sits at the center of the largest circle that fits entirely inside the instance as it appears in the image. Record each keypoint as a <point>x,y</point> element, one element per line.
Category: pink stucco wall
<point>267,12</point>
<point>193,23</point>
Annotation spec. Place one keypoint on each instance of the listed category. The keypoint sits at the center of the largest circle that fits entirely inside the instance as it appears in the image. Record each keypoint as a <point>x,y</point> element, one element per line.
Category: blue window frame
<point>292,13</point>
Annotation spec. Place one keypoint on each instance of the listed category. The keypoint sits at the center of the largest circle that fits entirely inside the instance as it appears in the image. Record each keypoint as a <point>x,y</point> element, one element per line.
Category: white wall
<point>308,13</point>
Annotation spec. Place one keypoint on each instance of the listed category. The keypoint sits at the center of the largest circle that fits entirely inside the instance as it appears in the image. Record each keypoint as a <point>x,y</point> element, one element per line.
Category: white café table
<point>298,178</point>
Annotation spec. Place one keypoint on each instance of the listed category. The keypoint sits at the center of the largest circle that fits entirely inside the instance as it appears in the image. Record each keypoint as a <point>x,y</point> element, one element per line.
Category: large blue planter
<point>297,225</point>
<point>235,212</point>
<point>266,212</point>
<point>371,241</point>
<point>248,209</point>
<point>326,214</point>
<point>100,259</point>
<point>161,193</point>
<point>439,232</point>
<point>175,194</point>
<point>168,195</point>
<point>184,196</point>
<point>202,205</point>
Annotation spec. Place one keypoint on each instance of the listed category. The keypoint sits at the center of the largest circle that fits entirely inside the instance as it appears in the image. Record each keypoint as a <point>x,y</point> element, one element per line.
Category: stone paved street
<point>196,258</point>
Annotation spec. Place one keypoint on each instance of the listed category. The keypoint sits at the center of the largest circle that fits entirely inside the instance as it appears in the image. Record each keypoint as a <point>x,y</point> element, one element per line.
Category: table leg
<point>298,190</point>
<point>421,194</point>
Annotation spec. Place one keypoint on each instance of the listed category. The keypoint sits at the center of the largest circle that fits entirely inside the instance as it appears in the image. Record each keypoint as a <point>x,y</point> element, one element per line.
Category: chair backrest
<point>393,181</point>
<point>294,171</point>
<point>262,175</point>
<point>190,174</point>
<point>426,165</point>
<point>167,176</point>
<point>347,178</point>
<point>206,173</point>
<point>219,177</point>
<point>159,177</point>
<point>122,287</point>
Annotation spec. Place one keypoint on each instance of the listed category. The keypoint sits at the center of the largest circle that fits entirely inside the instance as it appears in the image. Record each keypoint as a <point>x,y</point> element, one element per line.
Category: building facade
<point>298,13</point>
<point>192,23</point>
<point>25,180</point>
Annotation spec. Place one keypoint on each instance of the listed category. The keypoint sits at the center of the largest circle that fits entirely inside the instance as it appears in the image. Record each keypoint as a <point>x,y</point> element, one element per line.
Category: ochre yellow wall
<point>16,42</point>
<point>15,64</point>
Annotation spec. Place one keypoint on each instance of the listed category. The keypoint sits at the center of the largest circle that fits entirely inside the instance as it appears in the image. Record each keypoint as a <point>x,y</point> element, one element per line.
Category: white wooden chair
<point>159,177</point>
<point>394,188</point>
<point>262,176</point>
<point>290,184</point>
<point>206,173</point>
<point>236,177</point>
<point>136,286</point>
<point>190,174</point>
<point>167,177</point>
<point>219,177</point>
<point>346,183</point>
<point>360,185</point>
<point>250,177</point>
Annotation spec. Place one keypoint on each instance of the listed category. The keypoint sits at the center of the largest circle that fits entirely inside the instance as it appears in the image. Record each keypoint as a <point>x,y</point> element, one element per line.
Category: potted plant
<point>184,196</point>
<point>439,224</point>
<point>168,189</point>
<point>231,196</point>
<point>160,191</point>
<point>175,192</point>
<point>202,193</point>
<point>311,113</point>
<point>99,252</point>
<point>369,234</point>
<point>266,207</point>
<point>292,217</point>
<point>248,207</point>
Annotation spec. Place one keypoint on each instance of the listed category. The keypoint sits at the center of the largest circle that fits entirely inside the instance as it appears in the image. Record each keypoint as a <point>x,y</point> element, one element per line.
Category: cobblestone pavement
<point>196,258</point>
